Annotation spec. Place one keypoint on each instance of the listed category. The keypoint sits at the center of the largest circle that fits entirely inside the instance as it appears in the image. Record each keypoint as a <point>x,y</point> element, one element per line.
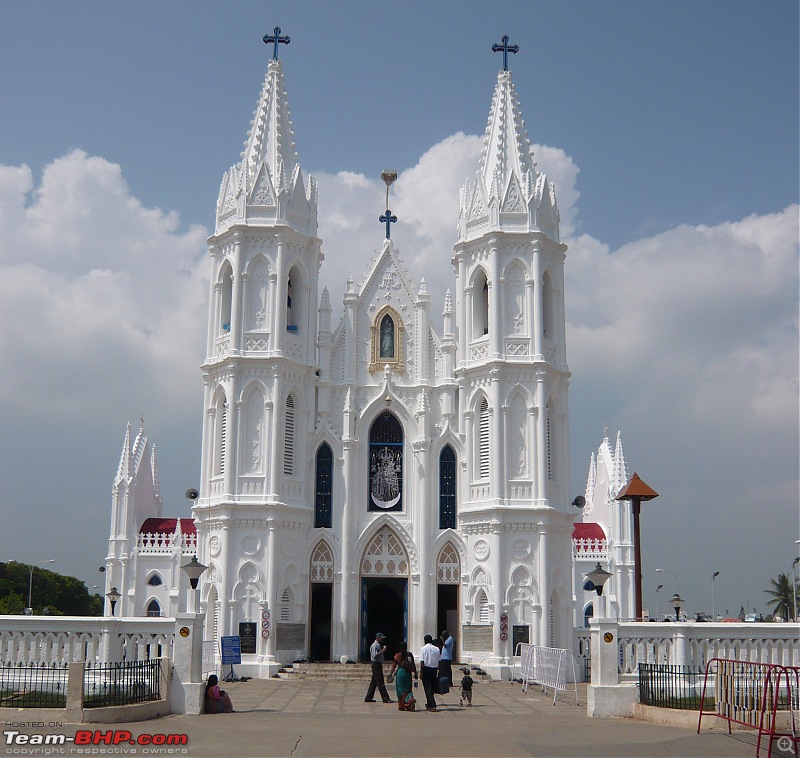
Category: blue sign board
<point>231,650</point>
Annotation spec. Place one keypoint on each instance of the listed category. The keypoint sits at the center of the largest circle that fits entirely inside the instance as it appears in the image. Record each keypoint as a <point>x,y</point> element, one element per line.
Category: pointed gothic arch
<point>448,565</point>
<point>387,341</point>
<point>253,457</point>
<point>519,436</point>
<point>153,608</point>
<point>257,303</point>
<point>385,555</point>
<point>385,473</point>
<point>322,563</point>
<point>289,422</point>
<point>515,300</point>
<point>225,298</point>
<point>480,303</point>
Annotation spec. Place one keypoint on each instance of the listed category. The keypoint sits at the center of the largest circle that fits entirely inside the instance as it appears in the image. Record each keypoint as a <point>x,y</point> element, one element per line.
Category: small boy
<point>466,688</point>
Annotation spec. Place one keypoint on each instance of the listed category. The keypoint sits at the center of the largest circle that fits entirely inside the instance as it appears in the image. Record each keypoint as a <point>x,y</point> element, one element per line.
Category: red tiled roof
<point>167,526</point>
<point>588,530</point>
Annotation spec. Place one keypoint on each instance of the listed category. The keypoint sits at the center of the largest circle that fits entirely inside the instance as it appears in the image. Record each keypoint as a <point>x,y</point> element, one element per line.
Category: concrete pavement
<point>324,718</point>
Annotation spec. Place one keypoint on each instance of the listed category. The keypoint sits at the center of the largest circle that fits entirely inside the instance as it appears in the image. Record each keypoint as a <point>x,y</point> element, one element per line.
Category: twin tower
<point>372,473</point>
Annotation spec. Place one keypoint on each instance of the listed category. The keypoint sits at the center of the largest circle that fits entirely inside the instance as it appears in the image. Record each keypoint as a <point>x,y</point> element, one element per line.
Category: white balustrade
<point>48,640</point>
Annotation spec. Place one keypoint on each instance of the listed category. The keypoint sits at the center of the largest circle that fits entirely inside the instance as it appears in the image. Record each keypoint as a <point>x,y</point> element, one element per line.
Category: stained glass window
<point>447,488</point>
<point>385,464</point>
<point>323,503</point>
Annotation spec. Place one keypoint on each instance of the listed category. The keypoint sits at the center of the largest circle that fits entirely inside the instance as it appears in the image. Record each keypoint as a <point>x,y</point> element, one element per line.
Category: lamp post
<point>658,589</point>
<point>713,606</point>
<point>794,585</point>
<point>598,578</point>
<point>672,573</point>
<point>113,595</point>
<point>677,603</point>
<point>193,569</point>
<point>636,491</point>
<point>31,567</point>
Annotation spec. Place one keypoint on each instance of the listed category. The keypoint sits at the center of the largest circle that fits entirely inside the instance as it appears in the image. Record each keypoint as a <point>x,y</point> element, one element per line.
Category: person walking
<point>376,651</point>
<point>446,663</point>
<point>429,661</point>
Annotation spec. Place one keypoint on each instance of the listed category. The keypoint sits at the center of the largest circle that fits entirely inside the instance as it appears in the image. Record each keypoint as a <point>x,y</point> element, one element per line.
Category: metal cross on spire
<point>505,47</point>
<point>276,39</point>
<point>387,218</point>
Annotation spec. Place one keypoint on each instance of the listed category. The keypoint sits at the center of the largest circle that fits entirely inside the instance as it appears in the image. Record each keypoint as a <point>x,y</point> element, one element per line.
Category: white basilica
<point>379,473</point>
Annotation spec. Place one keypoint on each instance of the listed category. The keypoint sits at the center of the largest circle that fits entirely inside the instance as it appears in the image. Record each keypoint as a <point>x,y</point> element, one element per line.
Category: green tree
<point>784,593</point>
<point>61,595</point>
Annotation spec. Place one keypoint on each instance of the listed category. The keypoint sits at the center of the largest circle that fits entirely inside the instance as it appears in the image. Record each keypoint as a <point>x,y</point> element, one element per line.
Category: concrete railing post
<point>606,697</point>
<point>186,690</point>
<point>75,692</point>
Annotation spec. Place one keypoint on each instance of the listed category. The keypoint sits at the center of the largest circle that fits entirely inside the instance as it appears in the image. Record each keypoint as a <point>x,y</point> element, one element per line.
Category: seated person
<point>217,700</point>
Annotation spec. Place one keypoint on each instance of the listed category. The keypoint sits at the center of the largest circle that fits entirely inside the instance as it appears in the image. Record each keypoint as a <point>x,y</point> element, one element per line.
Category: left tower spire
<point>267,185</point>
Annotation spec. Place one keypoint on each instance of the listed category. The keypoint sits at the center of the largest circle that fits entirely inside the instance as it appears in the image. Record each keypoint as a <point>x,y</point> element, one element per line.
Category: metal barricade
<point>751,694</point>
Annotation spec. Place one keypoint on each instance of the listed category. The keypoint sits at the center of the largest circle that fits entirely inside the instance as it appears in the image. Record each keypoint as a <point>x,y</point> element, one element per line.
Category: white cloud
<point>687,341</point>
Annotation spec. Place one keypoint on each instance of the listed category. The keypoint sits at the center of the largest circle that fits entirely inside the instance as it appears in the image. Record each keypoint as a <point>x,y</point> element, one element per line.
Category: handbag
<point>441,685</point>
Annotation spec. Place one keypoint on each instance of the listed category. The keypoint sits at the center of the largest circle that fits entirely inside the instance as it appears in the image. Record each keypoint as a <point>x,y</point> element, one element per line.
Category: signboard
<point>231,650</point>
<point>290,636</point>
<point>476,637</point>
<point>520,634</point>
<point>247,633</point>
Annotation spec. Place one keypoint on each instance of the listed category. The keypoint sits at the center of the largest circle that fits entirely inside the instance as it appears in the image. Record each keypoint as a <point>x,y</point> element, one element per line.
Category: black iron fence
<point>123,683</point>
<point>24,685</point>
<point>671,686</point>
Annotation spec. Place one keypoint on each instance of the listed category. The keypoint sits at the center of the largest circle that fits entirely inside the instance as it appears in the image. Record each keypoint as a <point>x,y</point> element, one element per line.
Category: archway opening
<point>384,608</point>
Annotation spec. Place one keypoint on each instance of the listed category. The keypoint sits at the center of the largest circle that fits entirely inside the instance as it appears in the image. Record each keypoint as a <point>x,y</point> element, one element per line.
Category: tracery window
<point>448,566</point>
<point>153,608</point>
<point>155,581</point>
<point>322,563</point>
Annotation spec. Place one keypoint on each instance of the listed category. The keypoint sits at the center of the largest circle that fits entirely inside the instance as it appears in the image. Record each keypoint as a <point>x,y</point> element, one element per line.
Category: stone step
<point>357,672</point>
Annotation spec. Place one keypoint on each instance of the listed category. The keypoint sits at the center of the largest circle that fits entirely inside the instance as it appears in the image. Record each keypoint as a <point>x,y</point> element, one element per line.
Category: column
<point>537,299</point>
<point>236,296</point>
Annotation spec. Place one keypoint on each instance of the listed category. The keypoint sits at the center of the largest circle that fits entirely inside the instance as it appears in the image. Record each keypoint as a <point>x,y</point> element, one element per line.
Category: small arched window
<point>447,488</point>
<point>226,299</point>
<point>482,607</point>
<point>480,305</point>
<point>286,605</point>
<point>323,496</point>
<point>155,581</point>
<point>547,307</point>
<point>153,608</point>
<point>387,338</point>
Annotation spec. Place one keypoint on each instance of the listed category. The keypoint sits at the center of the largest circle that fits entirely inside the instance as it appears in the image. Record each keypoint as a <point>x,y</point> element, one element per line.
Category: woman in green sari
<point>404,666</point>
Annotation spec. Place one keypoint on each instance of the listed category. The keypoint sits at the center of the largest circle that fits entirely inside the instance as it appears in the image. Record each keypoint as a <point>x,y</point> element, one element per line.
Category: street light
<point>658,589</point>
<point>29,609</point>
<point>598,578</point>
<point>113,595</point>
<point>677,603</point>
<point>193,569</point>
<point>677,581</point>
<point>713,607</point>
<point>794,585</point>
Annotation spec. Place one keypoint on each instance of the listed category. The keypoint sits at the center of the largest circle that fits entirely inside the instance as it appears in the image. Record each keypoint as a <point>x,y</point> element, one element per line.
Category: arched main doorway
<point>384,592</point>
<point>321,602</point>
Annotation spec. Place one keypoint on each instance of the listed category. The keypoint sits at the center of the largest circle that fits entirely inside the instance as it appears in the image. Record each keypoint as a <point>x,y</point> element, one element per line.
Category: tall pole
<point>794,585</point>
<point>30,581</point>
<point>713,607</point>
<point>636,491</point>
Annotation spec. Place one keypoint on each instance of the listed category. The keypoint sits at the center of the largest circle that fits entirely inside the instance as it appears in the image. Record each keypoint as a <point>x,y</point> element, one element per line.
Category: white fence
<point>693,644</point>
<point>48,640</point>
<point>546,666</point>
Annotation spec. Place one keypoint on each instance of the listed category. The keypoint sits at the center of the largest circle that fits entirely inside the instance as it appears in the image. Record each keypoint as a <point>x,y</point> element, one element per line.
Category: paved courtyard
<point>321,718</point>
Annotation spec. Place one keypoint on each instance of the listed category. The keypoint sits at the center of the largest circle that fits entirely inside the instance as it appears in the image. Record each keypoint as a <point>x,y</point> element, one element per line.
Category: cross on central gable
<point>276,39</point>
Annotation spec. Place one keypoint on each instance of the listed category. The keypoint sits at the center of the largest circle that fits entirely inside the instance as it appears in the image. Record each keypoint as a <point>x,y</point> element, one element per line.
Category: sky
<point>669,129</point>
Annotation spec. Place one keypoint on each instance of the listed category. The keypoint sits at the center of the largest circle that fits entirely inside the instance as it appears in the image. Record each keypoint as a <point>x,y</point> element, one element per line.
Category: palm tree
<point>782,596</point>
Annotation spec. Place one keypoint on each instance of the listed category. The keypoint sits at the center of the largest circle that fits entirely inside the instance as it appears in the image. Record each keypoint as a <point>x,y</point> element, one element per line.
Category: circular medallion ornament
<point>214,545</point>
<point>184,631</point>
<point>289,546</point>
<point>521,549</point>
<point>481,550</point>
<point>608,637</point>
<point>250,545</point>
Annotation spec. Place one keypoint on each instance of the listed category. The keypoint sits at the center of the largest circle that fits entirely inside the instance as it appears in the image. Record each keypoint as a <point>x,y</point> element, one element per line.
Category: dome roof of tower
<point>167,526</point>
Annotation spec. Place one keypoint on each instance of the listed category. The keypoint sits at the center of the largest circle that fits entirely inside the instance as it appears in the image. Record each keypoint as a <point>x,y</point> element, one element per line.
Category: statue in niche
<point>387,338</point>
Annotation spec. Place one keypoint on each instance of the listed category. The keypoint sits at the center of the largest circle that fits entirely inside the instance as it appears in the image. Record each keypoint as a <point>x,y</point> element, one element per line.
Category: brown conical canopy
<point>636,489</point>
